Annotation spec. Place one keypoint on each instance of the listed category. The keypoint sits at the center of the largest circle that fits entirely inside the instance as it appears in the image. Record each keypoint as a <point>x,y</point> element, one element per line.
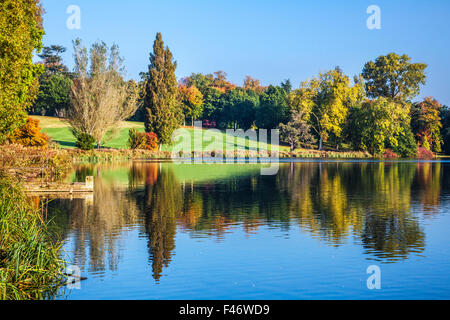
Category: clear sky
<point>267,39</point>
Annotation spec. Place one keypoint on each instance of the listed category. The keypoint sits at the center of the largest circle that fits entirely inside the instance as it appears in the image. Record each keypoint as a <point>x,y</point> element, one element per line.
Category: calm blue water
<point>166,231</point>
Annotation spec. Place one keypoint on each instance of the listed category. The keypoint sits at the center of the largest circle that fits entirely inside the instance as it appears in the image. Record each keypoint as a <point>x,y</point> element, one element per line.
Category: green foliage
<point>20,34</point>
<point>325,101</point>
<point>237,109</point>
<point>54,84</point>
<point>30,264</point>
<point>84,141</point>
<point>287,86</point>
<point>426,144</point>
<point>393,76</point>
<point>273,108</point>
<point>52,60</point>
<point>136,140</point>
<point>53,96</point>
<point>406,143</point>
<point>445,115</point>
<point>164,113</point>
<point>378,124</point>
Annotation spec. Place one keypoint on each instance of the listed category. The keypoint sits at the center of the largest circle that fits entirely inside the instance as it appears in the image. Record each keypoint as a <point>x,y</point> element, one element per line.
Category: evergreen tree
<point>163,109</point>
<point>287,86</point>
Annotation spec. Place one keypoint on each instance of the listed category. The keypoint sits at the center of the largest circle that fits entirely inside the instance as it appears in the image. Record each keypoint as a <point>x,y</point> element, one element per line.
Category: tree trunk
<point>320,143</point>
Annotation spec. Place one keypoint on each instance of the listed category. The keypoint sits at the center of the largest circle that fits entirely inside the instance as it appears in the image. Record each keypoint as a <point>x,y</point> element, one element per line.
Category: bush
<point>389,154</point>
<point>425,154</point>
<point>151,141</point>
<point>29,135</point>
<point>84,141</point>
<point>136,140</point>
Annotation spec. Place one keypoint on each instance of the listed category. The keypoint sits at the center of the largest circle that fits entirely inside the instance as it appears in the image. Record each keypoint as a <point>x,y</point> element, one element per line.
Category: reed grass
<point>30,263</point>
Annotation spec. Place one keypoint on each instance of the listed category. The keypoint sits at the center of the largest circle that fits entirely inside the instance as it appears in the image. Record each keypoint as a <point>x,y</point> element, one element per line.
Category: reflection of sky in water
<point>309,232</point>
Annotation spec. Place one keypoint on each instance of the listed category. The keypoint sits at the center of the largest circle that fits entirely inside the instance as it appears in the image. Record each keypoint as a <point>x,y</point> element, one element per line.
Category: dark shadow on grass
<point>65,143</point>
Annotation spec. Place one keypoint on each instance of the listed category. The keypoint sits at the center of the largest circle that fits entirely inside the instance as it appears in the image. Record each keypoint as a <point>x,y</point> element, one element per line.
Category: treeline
<point>372,112</point>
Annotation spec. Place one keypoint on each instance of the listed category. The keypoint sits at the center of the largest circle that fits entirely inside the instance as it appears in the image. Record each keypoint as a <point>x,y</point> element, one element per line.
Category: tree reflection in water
<point>374,204</point>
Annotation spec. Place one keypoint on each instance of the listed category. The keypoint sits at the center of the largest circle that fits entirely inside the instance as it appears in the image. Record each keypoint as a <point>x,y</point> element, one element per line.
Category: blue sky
<point>269,40</point>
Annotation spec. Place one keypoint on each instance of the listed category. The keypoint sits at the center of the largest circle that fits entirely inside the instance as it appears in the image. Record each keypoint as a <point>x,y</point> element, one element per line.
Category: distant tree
<point>99,97</point>
<point>273,108</point>
<point>287,86</point>
<point>378,124</point>
<point>53,97</point>
<point>426,123</point>
<point>394,77</point>
<point>253,84</point>
<point>236,109</point>
<point>52,60</point>
<point>191,102</point>
<point>297,131</point>
<point>20,35</point>
<point>164,113</point>
<point>55,83</point>
<point>325,101</point>
<point>445,115</point>
<point>213,97</point>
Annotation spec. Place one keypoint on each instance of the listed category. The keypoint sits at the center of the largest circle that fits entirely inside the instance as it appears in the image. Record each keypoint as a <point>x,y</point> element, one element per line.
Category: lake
<point>224,231</point>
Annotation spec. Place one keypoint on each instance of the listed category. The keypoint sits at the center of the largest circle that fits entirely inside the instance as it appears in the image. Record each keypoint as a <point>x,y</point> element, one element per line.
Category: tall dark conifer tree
<point>163,110</point>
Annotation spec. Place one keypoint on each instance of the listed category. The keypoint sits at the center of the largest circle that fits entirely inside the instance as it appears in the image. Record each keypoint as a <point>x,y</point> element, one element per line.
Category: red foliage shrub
<point>151,141</point>
<point>29,135</point>
<point>425,154</point>
<point>209,124</point>
<point>389,154</point>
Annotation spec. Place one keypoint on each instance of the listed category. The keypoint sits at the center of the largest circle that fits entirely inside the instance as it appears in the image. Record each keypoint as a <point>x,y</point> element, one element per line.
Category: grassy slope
<point>59,131</point>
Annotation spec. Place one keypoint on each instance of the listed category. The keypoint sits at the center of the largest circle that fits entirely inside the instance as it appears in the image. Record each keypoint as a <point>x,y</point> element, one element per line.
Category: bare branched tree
<point>100,98</point>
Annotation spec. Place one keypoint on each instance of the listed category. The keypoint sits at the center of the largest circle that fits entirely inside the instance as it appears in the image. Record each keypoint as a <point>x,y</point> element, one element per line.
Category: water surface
<point>223,231</point>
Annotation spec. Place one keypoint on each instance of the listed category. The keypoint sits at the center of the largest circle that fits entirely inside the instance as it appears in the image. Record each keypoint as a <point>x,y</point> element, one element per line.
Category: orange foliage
<point>151,141</point>
<point>425,154</point>
<point>29,135</point>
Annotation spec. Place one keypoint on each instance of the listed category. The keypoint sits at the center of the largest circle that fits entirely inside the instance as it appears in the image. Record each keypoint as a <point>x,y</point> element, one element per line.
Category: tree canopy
<point>394,76</point>
<point>20,35</point>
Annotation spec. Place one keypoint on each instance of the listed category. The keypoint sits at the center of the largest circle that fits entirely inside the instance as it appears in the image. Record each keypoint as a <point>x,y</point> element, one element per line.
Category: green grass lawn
<point>60,132</point>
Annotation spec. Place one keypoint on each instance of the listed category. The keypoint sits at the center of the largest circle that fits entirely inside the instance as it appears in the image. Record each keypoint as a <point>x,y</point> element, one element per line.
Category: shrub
<point>151,141</point>
<point>425,154</point>
<point>136,140</point>
<point>389,154</point>
<point>84,141</point>
<point>29,134</point>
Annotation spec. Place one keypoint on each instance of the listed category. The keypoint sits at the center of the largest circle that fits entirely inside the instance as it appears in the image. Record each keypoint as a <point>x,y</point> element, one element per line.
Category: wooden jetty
<point>86,187</point>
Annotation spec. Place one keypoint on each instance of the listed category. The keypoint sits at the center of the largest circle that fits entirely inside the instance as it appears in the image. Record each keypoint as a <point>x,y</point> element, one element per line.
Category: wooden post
<point>90,182</point>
